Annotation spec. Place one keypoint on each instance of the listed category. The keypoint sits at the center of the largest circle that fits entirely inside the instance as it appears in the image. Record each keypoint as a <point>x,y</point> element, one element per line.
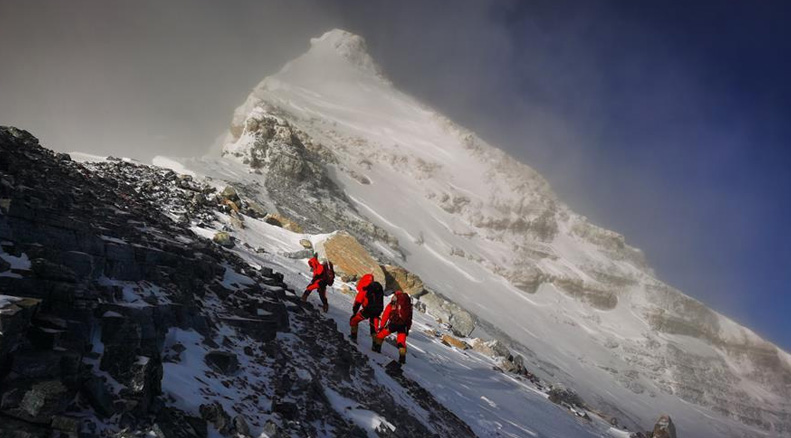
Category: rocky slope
<point>116,319</point>
<point>329,142</point>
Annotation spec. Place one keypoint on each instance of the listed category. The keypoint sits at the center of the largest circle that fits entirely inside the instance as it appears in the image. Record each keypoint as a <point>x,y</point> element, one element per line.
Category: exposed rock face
<point>351,259</point>
<point>664,428</point>
<point>399,278</point>
<point>296,177</point>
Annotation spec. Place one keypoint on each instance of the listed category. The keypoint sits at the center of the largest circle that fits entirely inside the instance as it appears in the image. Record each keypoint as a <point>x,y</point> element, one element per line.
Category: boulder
<point>526,277</point>
<point>223,239</point>
<point>462,322</point>
<point>281,221</point>
<point>397,277</point>
<point>454,342</point>
<point>254,209</point>
<point>306,243</point>
<point>232,207</point>
<point>230,194</point>
<point>350,258</point>
<point>664,428</point>
<point>493,348</point>
<point>222,362</point>
<point>562,395</point>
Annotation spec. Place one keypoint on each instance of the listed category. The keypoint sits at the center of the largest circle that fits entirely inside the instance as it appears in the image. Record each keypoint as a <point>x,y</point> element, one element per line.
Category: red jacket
<point>316,267</point>
<point>362,296</point>
<point>388,309</point>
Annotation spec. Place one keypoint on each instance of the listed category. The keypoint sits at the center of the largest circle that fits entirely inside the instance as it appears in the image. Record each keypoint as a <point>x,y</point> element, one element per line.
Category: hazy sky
<point>668,121</point>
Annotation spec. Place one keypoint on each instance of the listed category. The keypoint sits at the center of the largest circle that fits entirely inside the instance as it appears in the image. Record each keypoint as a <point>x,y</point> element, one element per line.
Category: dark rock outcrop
<point>222,362</point>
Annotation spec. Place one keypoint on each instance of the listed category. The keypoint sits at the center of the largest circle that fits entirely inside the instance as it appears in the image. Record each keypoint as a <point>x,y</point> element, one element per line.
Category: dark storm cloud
<point>660,120</point>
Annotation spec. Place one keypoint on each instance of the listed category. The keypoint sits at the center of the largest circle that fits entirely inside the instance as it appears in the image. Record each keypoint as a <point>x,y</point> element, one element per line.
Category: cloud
<point>142,78</point>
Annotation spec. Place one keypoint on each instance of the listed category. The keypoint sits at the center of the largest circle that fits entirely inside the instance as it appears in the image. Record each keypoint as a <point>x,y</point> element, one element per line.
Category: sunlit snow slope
<point>487,232</point>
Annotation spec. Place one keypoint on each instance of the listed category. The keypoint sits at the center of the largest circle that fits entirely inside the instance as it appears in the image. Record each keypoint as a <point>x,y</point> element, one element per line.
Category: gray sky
<point>661,120</point>
<point>141,78</point>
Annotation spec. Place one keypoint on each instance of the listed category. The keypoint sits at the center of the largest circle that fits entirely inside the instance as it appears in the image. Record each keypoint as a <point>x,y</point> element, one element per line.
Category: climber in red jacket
<point>323,276</point>
<point>397,318</point>
<point>370,298</point>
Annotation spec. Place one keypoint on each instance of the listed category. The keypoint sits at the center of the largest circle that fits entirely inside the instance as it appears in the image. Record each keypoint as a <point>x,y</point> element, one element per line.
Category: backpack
<point>329,273</point>
<point>401,309</point>
<point>375,295</point>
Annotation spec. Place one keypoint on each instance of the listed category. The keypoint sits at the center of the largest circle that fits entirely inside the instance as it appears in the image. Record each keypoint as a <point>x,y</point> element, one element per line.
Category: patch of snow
<point>233,280</point>
<point>21,263</point>
<point>369,421</point>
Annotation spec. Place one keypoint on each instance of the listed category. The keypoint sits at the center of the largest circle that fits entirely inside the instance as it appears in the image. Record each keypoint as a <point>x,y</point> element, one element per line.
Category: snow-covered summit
<point>348,45</point>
